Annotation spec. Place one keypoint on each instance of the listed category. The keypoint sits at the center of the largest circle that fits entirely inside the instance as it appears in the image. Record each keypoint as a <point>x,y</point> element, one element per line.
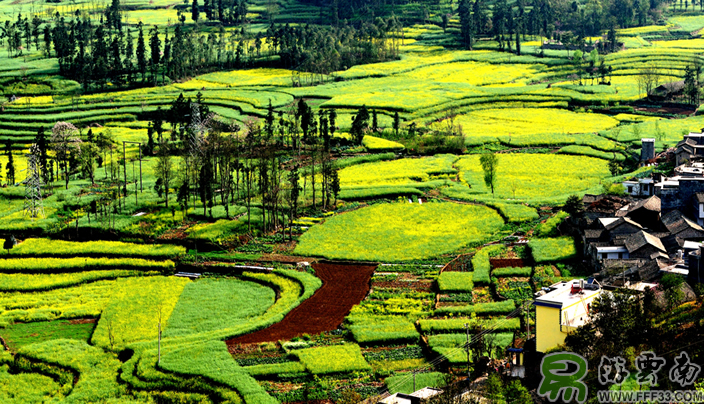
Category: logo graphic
<point>684,372</point>
<point>612,370</point>
<point>562,374</point>
<point>649,365</point>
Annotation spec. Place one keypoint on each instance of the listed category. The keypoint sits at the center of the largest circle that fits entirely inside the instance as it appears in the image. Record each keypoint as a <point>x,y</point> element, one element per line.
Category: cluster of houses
<point>631,241</point>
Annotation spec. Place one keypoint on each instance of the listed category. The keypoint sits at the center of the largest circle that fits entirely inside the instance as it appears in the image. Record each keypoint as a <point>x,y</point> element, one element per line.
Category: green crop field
<point>420,230</point>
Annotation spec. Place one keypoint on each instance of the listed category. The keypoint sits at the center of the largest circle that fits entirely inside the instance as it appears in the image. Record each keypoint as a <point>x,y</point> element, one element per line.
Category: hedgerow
<point>481,264</point>
<point>455,282</point>
<point>552,249</point>
<point>512,271</point>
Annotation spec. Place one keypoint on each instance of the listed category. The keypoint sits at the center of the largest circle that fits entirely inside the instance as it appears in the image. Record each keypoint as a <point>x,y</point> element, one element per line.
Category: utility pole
<point>469,381</point>
<point>527,319</point>
<point>124,159</point>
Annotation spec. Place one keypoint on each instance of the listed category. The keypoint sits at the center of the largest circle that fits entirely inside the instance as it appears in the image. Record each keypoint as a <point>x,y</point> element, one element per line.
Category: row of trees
<point>98,53</point>
<point>207,163</point>
<point>509,22</point>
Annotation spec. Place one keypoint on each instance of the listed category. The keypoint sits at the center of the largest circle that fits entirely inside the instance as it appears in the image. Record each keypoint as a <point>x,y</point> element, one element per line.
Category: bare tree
<point>64,141</point>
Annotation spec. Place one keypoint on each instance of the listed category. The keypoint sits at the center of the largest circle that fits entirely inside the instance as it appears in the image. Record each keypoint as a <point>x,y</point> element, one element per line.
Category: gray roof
<point>620,221</point>
<point>652,204</point>
<point>638,240</point>
<point>671,217</point>
<point>593,233</point>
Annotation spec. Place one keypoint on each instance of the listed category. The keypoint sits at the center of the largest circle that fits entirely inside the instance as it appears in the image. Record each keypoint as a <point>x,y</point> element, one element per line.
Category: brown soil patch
<point>424,286</point>
<point>343,287</point>
<point>83,321</point>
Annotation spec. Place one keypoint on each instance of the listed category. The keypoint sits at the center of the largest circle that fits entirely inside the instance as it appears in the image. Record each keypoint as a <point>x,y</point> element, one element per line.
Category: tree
<point>573,205</point>
<point>64,142</point>
<point>195,11</point>
<point>164,169</point>
<point>360,125</point>
<point>397,122</point>
<point>614,168</point>
<point>616,321</point>
<point>141,52</point>
<point>9,243</point>
<point>671,285</point>
<point>155,47</point>
<point>40,141</point>
<point>10,167</point>
<point>490,163</point>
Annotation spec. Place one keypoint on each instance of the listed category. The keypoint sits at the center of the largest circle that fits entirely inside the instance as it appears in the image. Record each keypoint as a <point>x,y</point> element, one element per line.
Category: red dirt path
<point>343,287</point>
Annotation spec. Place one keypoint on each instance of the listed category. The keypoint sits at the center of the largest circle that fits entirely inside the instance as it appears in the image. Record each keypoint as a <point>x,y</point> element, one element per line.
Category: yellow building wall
<point>547,328</point>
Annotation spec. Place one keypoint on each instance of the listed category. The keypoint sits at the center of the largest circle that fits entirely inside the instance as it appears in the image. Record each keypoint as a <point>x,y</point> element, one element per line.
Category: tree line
<point>270,164</point>
<point>568,22</point>
<point>108,52</point>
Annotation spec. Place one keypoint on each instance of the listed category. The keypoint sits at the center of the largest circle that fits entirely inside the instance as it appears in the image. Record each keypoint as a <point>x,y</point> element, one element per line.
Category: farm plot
<point>343,287</point>
<point>529,126</point>
<point>212,304</point>
<point>400,231</point>
<point>533,178</point>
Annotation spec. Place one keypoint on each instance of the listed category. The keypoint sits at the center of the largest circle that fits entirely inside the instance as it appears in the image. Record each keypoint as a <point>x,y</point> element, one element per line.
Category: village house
<point>560,309</point>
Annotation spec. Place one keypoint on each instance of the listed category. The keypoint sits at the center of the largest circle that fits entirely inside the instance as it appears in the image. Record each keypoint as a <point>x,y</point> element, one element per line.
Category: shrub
<point>552,249</point>
<point>456,282</point>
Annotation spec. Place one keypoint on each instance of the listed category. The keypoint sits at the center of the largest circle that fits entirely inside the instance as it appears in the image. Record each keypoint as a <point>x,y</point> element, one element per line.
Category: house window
<point>630,189</point>
<point>604,255</point>
<point>620,256</point>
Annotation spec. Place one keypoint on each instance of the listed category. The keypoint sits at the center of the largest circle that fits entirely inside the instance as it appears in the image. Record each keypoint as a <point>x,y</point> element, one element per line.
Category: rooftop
<point>561,294</point>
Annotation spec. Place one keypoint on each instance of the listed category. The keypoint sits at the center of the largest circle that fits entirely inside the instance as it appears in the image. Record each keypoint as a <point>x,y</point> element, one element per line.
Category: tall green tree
<point>195,11</point>
<point>490,164</point>
<point>141,52</point>
<point>10,167</point>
